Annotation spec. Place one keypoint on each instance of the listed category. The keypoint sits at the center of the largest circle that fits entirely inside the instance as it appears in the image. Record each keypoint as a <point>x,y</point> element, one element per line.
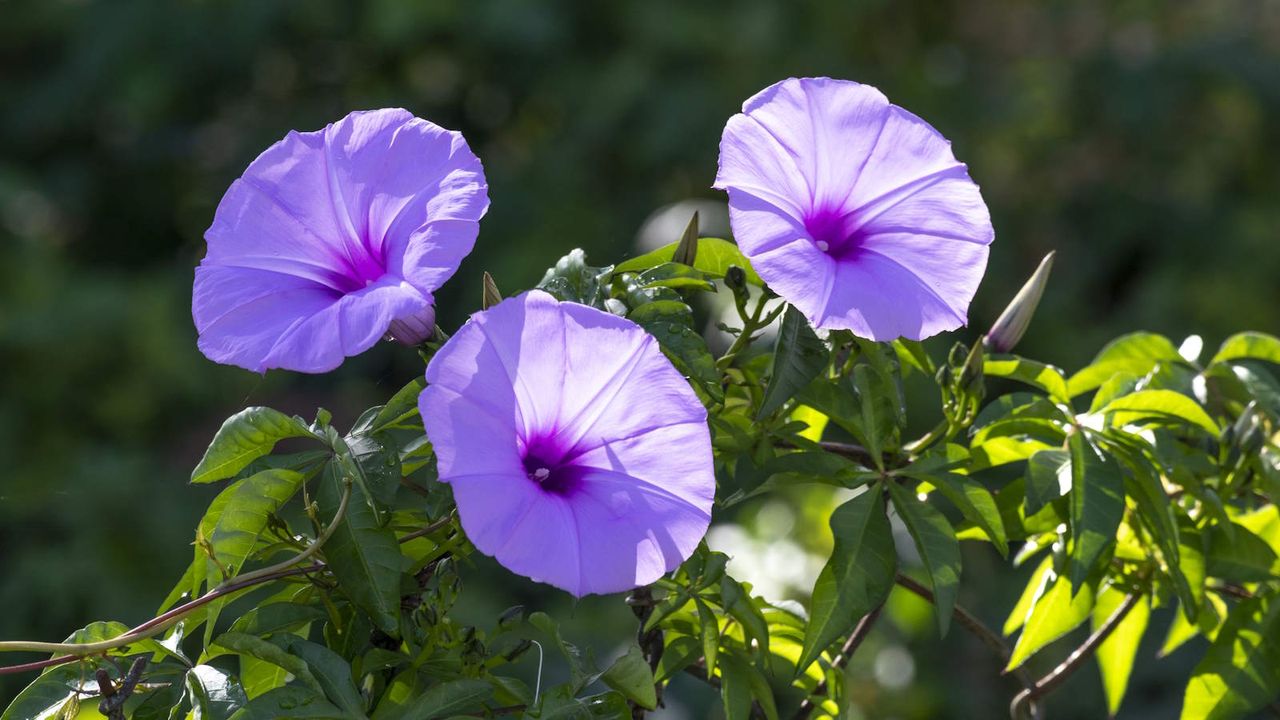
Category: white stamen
<point>822,245</point>
<point>541,474</point>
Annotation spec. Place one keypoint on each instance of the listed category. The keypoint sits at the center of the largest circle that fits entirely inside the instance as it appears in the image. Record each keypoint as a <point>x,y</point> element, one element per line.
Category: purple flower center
<point>551,467</point>
<point>363,263</point>
<point>834,232</point>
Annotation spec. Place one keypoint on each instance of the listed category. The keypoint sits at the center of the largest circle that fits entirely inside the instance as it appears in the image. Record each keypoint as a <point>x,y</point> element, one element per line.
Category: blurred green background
<point>1138,139</point>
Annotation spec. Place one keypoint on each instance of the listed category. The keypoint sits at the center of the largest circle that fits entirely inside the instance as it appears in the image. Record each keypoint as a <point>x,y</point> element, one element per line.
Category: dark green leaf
<point>256,647</point>
<point>674,275</point>
<point>47,694</point>
<point>1048,478</point>
<point>444,700</point>
<point>858,576</point>
<point>243,438</point>
<point>364,557</point>
<point>631,676</point>
<point>709,627</point>
<point>332,672</point>
<point>291,701</point>
<point>1097,505</point>
<point>1240,556</point>
<point>936,541</point>
<point>276,617</point>
<point>214,694</point>
<point>739,606</point>
<point>685,347</point>
<point>973,500</point>
<point>402,406</point>
<point>798,358</point>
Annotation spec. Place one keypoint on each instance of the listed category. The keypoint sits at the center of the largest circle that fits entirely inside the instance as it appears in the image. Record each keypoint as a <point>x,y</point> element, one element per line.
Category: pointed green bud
<point>490,296</point>
<point>1013,322</point>
<point>687,250</point>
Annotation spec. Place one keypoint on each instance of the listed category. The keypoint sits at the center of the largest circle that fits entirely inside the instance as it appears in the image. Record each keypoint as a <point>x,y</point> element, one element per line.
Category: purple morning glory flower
<point>333,238</point>
<point>578,455</point>
<point>853,209</point>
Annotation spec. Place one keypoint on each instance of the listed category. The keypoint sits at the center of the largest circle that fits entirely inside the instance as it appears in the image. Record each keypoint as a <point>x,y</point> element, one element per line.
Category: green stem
<point>155,626</point>
<point>1045,685</point>
<point>749,326</point>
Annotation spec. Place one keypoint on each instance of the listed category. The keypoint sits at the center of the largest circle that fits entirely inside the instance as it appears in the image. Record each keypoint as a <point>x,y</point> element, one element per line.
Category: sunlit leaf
<point>1241,671</point>
<point>1054,614</point>
<point>1249,345</point>
<point>631,676</point>
<point>243,438</point>
<point>1116,654</point>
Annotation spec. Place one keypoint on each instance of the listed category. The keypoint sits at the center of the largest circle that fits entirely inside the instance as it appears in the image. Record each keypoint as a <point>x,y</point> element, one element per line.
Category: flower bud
<point>415,329</point>
<point>687,251</point>
<point>490,296</point>
<point>1012,323</point>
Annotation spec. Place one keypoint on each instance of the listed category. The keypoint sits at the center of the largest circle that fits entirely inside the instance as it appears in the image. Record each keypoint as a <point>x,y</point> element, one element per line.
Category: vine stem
<point>841,660</point>
<point>155,626</point>
<point>1059,675</point>
<point>975,627</point>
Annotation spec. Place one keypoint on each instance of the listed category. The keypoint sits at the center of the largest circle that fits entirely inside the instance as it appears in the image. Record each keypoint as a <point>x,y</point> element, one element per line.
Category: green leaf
<point>250,502</point>
<point>1241,671</point>
<point>48,694</point>
<point>276,617</point>
<point>214,694</point>
<point>686,349</point>
<point>1055,613</point>
<point>973,500</point>
<point>858,576</point>
<point>675,276</point>
<point>364,557</point>
<point>1116,653</point>
<point>402,407</point>
<point>939,550</point>
<point>243,438</point>
<point>1097,505</point>
<point>1165,405</point>
<point>714,256</point>
<point>1249,345</point>
<point>291,701</point>
<point>739,606</point>
<point>709,629</point>
<point>332,672</point>
<point>445,699</point>
<point>631,676</point>
<point>1046,377</point>
<point>798,358</point>
<point>256,647</point>
<point>1238,555</point>
<point>740,684</point>
<point>1039,582</point>
<point>1048,478</point>
<point>1136,354</point>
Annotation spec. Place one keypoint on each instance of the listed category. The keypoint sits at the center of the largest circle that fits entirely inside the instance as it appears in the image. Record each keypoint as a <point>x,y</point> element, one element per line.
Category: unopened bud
<point>736,278</point>
<point>415,329</point>
<point>1013,322</point>
<point>687,250</point>
<point>490,296</point>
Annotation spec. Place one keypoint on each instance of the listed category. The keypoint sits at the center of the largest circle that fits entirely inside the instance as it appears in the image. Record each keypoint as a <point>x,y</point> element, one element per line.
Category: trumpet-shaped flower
<point>333,238</point>
<point>853,209</point>
<point>577,454</point>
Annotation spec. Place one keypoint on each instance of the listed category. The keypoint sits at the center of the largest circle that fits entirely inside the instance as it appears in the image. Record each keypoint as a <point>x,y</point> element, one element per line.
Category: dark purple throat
<point>834,232</point>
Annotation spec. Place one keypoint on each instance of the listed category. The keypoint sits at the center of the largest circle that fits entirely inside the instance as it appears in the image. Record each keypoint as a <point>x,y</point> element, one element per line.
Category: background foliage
<point>1134,138</point>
